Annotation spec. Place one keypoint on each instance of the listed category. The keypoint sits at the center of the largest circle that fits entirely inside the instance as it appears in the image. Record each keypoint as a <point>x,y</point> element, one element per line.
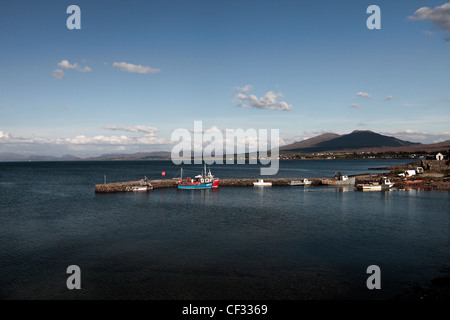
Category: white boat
<point>261,183</point>
<point>141,188</point>
<point>383,185</point>
<point>340,180</point>
<point>304,182</point>
<point>144,186</point>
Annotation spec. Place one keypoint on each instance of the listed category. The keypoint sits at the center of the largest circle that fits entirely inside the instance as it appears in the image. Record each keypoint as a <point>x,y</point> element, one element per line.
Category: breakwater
<point>427,181</point>
<point>172,183</point>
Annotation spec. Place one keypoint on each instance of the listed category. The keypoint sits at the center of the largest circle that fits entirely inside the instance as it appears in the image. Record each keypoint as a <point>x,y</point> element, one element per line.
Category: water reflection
<point>204,196</point>
<point>344,189</point>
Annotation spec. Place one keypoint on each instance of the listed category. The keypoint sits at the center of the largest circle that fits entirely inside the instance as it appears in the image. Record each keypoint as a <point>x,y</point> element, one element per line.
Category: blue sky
<point>137,70</point>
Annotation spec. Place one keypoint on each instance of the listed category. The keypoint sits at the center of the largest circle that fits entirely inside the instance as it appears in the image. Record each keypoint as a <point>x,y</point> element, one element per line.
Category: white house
<point>439,156</point>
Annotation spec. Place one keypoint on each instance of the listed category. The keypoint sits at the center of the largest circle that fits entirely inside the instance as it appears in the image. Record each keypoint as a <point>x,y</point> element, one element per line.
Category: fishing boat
<point>201,181</point>
<point>144,186</point>
<point>383,185</point>
<point>303,182</point>
<point>340,180</point>
<point>261,183</point>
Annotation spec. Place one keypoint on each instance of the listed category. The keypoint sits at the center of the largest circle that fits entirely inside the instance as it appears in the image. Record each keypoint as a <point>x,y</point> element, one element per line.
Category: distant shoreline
<point>169,159</point>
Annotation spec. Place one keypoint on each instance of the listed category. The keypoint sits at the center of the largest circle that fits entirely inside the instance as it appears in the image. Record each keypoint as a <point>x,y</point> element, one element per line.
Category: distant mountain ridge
<point>311,141</point>
<point>158,155</point>
<point>9,156</point>
<point>357,140</point>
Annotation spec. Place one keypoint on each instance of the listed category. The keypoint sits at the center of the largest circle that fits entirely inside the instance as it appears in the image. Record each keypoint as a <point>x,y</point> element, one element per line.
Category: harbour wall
<point>172,183</point>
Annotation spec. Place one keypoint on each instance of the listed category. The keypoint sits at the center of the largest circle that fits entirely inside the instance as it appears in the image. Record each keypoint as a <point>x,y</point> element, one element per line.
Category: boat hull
<point>330,182</point>
<point>373,188</point>
<point>196,186</point>
<point>215,184</point>
<point>300,183</point>
<point>142,189</point>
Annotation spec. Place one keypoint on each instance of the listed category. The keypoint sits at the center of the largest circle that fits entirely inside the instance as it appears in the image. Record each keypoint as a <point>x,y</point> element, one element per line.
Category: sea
<point>240,243</point>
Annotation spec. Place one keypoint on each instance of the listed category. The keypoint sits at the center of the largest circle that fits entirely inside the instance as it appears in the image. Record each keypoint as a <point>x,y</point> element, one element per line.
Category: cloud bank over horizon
<point>147,140</point>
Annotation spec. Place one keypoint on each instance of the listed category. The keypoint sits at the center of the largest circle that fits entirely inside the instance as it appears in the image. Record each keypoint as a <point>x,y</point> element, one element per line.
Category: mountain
<point>443,146</point>
<point>311,141</point>
<point>69,157</point>
<point>157,155</point>
<point>9,156</point>
<point>355,141</point>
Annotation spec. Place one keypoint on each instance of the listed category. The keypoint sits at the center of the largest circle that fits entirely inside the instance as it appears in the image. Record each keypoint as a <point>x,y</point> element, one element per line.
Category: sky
<point>138,70</point>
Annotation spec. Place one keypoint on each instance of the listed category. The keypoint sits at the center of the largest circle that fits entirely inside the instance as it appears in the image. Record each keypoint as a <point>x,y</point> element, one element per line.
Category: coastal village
<point>429,173</point>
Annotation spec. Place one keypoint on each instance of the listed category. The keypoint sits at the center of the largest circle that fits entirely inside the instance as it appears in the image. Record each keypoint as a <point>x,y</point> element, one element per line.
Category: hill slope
<point>311,141</point>
<point>356,140</point>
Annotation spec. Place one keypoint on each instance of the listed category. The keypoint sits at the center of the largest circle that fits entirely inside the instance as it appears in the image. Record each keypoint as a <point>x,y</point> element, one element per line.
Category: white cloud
<point>148,137</point>
<point>354,105</point>
<point>412,105</point>
<point>267,102</point>
<point>65,64</point>
<point>243,89</point>
<point>85,69</point>
<point>440,16</point>
<point>210,129</point>
<point>58,74</point>
<point>4,135</point>
<point>142,129</point>
<point>419,136</point>
<point>128,67</point>
<point>115,140</point>
<point>364,95</point>
<point>428,33</point>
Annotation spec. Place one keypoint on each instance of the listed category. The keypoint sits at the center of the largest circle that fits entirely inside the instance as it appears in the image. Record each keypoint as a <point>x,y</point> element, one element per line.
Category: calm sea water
<point>232,243</point>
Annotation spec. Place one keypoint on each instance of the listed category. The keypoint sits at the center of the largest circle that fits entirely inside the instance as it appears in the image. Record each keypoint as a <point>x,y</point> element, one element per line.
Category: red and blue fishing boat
<point>201,181</point>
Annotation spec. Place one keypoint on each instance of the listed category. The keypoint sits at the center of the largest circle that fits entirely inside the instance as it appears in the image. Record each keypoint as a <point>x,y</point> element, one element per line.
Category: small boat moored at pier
<point>141,188</point>
<point>144,186</point>
<point>340,180</point>
<point>261,183</point>
<point>383,185</point>
<point>304,182</point>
